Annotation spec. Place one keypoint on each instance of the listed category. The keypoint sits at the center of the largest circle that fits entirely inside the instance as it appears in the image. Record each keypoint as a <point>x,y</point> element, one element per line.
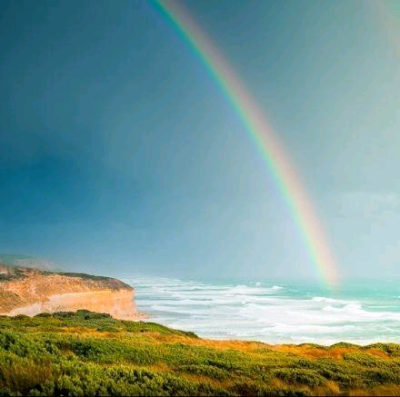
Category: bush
<point>206,370</point>
<point>69,354</point>
<point>43,315</point>
<point>294,376</point>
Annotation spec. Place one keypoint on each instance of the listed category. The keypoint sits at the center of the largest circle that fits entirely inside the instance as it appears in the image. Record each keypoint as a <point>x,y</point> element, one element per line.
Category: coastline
<point>271,311</point>
<point>119,304</point>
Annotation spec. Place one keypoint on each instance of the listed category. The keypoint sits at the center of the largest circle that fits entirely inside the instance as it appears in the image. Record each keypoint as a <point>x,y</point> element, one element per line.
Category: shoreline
<point>144,317</point>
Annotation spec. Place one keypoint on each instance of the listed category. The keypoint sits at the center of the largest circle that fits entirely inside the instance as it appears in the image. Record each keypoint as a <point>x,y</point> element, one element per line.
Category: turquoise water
<point>274,312</point>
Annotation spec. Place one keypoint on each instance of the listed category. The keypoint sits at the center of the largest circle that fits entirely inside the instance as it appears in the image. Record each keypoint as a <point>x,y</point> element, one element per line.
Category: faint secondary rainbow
<point>262,135</point>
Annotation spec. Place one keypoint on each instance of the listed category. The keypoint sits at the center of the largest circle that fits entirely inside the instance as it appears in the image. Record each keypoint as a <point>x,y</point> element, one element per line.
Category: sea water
<point>273,312</point>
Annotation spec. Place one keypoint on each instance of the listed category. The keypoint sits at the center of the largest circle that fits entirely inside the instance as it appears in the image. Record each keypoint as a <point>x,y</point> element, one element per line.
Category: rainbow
<point>261,133</point>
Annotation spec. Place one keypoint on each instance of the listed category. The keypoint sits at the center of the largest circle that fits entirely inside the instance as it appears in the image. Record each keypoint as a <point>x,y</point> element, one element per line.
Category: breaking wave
<point>270,313</point>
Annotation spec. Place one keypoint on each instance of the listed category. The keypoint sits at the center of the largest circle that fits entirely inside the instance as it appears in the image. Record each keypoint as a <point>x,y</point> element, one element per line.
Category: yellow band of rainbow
<point>275,157</point>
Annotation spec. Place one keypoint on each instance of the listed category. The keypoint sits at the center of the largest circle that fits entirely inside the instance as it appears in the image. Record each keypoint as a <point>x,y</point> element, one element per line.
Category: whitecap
<point>268,313</point>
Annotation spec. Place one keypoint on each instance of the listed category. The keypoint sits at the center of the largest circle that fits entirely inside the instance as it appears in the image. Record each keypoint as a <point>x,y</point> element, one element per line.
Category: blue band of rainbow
<point>261,133</point>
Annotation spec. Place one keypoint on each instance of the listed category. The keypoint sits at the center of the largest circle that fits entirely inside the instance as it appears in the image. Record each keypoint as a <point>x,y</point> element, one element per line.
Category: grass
<point>84,353</point>
<point>12,272</point>
<point>112,283</point>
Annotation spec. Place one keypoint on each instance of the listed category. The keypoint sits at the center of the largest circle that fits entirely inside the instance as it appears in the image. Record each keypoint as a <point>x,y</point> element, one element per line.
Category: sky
<point>120,155</point>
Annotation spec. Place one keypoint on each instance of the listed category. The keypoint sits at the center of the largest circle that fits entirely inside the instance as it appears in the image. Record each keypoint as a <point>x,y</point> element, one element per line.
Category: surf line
<point>263,136</point>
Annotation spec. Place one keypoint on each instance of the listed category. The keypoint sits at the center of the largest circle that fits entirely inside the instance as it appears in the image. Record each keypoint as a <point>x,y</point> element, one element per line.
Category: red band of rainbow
<point>275,157</point>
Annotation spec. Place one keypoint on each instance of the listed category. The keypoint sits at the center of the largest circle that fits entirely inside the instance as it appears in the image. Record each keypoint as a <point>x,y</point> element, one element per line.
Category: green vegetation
<point>12,274</point>
<point>112,283</point>
<point>83,275</point>
<point>84,353</point>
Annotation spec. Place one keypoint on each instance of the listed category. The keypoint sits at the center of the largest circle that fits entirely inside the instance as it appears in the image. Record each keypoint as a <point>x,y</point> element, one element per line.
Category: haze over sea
<point>273,312</point>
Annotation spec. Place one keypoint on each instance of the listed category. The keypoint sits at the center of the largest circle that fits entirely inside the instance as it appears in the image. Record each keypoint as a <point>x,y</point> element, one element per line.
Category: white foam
<point>263,312</point>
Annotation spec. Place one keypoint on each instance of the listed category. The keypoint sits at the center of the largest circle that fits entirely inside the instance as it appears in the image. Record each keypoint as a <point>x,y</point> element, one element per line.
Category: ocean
<point>273,312</point>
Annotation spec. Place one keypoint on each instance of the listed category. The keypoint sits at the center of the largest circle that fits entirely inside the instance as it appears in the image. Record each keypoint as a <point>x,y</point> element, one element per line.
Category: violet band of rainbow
<point>275,157</point>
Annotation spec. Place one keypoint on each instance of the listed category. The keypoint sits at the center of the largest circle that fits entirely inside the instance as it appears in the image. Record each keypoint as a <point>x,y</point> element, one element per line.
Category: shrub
<point>39,357</point>
<point>294,376</point>
<point>206,370</point>
<point>43,315</point>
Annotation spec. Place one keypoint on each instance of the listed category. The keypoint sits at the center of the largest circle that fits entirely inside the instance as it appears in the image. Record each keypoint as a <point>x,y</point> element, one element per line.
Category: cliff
<point>31,291</point>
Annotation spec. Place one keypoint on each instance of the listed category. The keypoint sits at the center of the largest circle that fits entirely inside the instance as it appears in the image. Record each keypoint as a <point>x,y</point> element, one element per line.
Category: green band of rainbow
<point>262,135</point>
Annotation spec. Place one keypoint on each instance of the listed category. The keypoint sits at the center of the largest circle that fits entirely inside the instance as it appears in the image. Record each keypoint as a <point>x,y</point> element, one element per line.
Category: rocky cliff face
<point>32,291</point>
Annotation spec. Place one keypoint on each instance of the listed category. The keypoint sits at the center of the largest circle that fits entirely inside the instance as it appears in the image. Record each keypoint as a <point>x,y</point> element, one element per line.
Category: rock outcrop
<point>32,291</point>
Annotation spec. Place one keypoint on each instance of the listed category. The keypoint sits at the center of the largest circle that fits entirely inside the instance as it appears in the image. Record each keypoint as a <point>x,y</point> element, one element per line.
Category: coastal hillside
<point>24,290</point>
<point>83,353</point>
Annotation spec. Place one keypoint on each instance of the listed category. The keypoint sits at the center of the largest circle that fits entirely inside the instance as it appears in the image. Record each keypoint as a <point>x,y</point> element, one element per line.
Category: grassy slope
<point>92,354</point>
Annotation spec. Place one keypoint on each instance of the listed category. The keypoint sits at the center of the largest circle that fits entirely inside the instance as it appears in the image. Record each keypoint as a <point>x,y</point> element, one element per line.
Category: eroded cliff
<point>31,291</point>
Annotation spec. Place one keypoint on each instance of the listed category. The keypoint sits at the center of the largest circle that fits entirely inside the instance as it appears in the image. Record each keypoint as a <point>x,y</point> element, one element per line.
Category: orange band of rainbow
<point>263,136</point>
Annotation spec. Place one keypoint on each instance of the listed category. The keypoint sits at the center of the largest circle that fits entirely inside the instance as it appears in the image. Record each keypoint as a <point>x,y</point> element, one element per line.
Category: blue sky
<point>119,155</point>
